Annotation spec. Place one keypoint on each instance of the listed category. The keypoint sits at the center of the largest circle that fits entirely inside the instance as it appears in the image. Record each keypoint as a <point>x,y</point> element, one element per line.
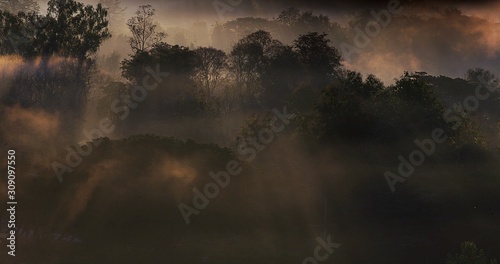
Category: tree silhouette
<point>292,23</point>
<point>72,32</point>
<point>469,254</point>
<point>249,59</point>
<point>14,35</point>
<point>175,95</point>
<point>320,60</point>
<point>480,76</point>
<point>74,29</point>
<point>210,66</point>
<point>345,111</point>
<point>281,76</point>
<point>145,32</point>
<point>289,17</point>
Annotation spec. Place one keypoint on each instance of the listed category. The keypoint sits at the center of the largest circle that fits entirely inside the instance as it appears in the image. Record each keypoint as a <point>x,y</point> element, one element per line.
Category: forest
<point>250,140</point>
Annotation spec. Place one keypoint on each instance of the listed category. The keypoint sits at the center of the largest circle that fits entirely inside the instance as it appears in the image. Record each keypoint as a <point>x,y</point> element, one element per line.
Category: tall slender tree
<point>210,66</point>
<point>145,33</point>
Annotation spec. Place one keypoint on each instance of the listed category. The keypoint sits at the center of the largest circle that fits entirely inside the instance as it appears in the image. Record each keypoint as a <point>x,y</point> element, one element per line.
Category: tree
<point>480,76</point>
<point>210,66</point>
<point>280,76</point>
<point>470,254</point>
<point>76,31</point>
<point>416,91</point>
<point>110,91</point>
<point>289,17</point>
<point>416,101</point>
<point>71,34</point>
<point>292,22</point>
<point>177,94</point>
<point>144,30</point>
<point>249,59</point>
<point>14,35</point>
<point>372,86</point>
<point>264,40</point>
<point>73,30</point>
<point>320,60</point>
<point>346,110</point>
<point>16,6</point>
<point>225,35</point>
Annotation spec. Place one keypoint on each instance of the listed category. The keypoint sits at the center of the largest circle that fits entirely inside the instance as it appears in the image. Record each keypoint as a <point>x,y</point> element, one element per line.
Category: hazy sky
<point>181,11</point>
<point>481,51</point>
